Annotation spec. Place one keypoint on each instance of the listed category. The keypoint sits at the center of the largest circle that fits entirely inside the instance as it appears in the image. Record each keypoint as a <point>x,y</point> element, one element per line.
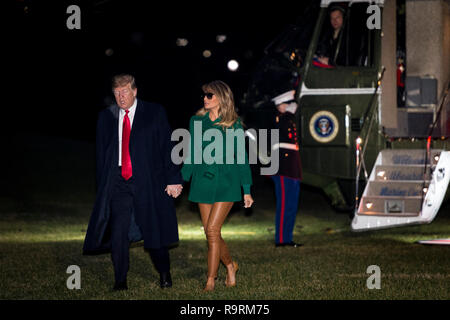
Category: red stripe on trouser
<point>282,209</point>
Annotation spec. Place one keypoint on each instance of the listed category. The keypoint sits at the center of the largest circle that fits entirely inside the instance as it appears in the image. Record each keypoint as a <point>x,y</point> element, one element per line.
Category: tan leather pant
<point>213,217</point>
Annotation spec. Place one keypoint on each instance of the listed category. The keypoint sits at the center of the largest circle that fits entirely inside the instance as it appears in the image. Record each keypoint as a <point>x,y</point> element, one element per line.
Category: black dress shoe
<point>289,244</point>
<point>165,280</point>
<point>120,286</point>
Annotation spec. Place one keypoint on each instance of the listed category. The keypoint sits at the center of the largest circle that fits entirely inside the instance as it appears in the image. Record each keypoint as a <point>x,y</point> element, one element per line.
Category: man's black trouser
<point>122,202</point>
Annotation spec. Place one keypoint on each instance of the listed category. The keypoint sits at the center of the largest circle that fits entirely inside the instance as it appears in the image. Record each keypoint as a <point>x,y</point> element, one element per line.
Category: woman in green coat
<point>218,169</point>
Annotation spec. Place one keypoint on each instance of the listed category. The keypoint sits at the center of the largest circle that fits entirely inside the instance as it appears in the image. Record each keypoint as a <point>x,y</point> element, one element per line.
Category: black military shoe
<point>289,244</point>
<point>120,286</point>
<point>165,280</point>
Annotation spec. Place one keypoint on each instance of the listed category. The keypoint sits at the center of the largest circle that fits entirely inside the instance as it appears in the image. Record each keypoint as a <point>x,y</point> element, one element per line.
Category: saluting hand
<point>248,201</point>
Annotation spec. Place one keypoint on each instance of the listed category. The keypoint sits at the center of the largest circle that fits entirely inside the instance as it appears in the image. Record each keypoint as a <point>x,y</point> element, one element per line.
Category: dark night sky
<point>62,76</point>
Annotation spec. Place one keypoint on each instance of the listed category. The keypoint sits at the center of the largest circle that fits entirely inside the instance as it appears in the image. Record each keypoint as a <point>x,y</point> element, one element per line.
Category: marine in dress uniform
<point>287,181</point>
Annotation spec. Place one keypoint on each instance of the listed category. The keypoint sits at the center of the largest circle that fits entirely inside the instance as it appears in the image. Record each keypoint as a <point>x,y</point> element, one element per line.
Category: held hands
<point>248,201</point>
<point>174,190</point>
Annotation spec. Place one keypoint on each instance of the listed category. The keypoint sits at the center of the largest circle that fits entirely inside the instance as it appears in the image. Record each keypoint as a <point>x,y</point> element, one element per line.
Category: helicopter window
<point>280,67</point>
<point>292,44</point>
<point>345,39</point>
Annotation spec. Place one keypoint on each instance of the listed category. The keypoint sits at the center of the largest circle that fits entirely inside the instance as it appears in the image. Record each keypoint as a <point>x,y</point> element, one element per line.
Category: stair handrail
<point>367,118</point>
<point>428,148</point>
<point>443,99</point>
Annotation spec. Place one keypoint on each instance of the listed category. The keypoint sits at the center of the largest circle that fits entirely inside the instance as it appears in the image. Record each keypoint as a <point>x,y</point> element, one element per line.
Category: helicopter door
<point>336,94</point>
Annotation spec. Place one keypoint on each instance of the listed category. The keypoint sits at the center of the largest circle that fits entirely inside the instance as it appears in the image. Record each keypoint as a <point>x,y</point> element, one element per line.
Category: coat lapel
<point>138,123</point>
<point>115,130</point>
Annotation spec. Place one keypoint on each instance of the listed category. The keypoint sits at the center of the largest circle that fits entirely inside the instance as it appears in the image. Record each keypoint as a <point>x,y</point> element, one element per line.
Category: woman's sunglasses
<point>209,95</point>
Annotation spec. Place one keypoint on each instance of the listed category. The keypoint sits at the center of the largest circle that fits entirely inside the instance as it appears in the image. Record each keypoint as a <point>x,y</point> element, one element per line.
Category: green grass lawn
<point>42,233</point>
<point>37,246</point>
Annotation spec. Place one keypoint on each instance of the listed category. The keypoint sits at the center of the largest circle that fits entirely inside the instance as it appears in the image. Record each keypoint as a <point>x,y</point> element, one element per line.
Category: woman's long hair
<point>227,112</point>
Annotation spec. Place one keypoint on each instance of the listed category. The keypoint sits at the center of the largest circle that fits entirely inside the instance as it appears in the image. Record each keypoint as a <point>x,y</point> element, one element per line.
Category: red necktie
<point>127,171</point>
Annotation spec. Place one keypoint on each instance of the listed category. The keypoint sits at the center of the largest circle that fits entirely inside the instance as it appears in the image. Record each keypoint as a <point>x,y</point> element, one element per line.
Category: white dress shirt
<point>131,112</point>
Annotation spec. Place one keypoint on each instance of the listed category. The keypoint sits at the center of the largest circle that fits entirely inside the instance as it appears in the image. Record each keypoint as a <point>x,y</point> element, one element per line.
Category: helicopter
<point>374,111</point>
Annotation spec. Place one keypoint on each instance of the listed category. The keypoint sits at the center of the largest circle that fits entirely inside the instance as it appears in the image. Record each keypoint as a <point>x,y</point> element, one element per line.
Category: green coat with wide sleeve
<point>217,169</point>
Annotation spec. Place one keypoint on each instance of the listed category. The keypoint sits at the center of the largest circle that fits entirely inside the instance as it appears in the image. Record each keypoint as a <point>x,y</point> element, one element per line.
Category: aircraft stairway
<point>400,191</point>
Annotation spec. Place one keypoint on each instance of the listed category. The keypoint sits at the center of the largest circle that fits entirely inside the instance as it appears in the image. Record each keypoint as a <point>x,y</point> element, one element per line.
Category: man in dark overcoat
<point>135,182</point>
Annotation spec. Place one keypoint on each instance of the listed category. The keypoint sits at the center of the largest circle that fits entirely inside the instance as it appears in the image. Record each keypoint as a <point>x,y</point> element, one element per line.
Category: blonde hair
<point>227,112</point>
<point>123,79</point>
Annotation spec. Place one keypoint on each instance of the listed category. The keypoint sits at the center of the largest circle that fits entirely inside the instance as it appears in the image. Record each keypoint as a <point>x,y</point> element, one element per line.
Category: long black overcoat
<point>153,218</point>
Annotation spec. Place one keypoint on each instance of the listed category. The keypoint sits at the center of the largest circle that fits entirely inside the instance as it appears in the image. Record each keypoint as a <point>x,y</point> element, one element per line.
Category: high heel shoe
<point>236,268</point>
<point>210,284</point>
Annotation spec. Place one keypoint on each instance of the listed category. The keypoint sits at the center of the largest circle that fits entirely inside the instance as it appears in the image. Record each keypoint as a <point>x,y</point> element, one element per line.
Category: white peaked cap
<point>284,97</point>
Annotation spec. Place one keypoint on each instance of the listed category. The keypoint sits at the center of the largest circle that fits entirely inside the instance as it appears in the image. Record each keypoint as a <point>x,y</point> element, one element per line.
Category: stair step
<point>408,156</point>
<point>391,206</point>
<point>395,188</point>
<point>396,194</point>
<point>404,173</point>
